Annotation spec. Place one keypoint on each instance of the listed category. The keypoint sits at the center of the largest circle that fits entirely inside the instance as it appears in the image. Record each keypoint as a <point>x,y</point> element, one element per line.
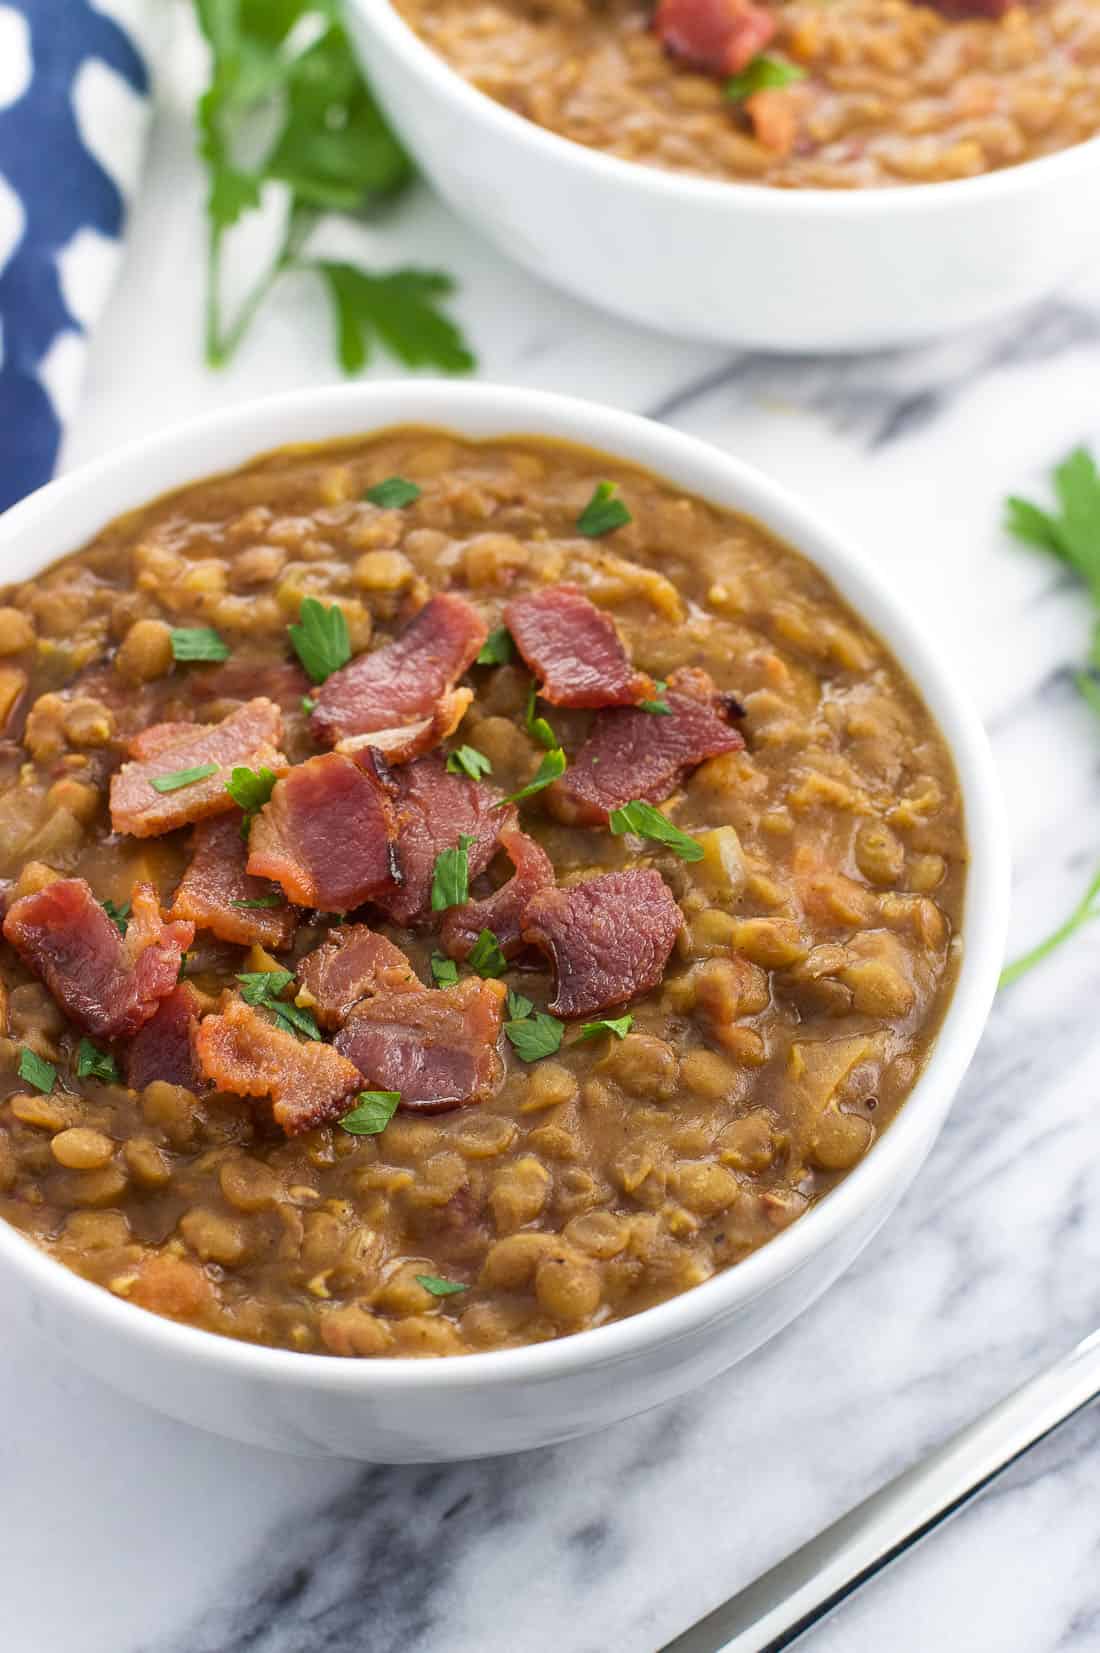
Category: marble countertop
<point>127,1533</point>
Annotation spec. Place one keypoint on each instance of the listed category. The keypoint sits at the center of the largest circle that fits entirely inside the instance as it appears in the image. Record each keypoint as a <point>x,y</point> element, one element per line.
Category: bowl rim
<point>133,475</point>
<point>446,82</point>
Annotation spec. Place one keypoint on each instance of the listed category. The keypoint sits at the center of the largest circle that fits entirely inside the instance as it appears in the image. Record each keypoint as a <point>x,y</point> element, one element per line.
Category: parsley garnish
<point>308,704</point>
<point>401,311</point>
<point>394,493</point>
<point>444,970</point>
<point>763,74</point>
<point>604,512</point>
<point>438,1286</point>
<point>119,916</point>
<point>535,1036</point>
<point>251,789</point>
<point>198,643</point>
<point>183,777</point>
<point>497,649</point>
<point>286,67</point>
<point>467,760</point>
<point>518,1006</point>
<point>372,1113</point>
<point>93,1063</point>
<point>659,707</point>
<point>620,1026</point>
<point>550,769</point>
<point>1072,534</point>
<point>641,818</point>
<point>36,1072</point>
<point>537,727</point>
<point>486,957</point>
<point>451,880</point>
<point>258,902</point>
<point>320,638</point>
<point>262,989</point>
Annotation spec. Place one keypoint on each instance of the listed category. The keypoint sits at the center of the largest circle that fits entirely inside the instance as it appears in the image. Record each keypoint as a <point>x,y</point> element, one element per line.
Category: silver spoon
<point>779,1606</point>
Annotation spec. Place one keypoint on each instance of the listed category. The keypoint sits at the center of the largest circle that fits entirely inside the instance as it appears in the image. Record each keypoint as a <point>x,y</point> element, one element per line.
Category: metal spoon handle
<point>800,1591</point>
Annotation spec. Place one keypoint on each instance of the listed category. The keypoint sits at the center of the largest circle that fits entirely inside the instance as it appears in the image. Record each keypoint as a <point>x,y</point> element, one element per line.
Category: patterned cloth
<point>73,116</point>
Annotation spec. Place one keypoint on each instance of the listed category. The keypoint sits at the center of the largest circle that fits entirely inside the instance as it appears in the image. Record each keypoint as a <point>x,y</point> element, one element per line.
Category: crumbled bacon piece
<point>719,37</point>
<point>412,740</point>
<point>107,985</point>
<point>635,754</point>
<point>326,834</point>
<point>216,884</point>
<point>502,912</point>
<point>165,1047</point>
<point>609,938</point>
<point>403,681</point>
<point>433,809</point>
<point>308,1082</point>
<point>248,737</point>
<point>574,650</point>
<point>354,962</point>
<point>436,1047</point>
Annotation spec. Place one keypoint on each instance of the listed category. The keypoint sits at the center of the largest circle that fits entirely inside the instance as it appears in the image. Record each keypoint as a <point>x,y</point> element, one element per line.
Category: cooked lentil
<point>895,92</point>
<point>816,960</point>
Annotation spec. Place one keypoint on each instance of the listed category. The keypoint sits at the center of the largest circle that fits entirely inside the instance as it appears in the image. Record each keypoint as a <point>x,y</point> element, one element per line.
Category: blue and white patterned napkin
<point>74,109</point>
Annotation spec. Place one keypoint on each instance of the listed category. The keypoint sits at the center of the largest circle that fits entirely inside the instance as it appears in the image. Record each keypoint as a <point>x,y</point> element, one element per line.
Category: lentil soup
<point>848,94</point>
<point>457,893</point>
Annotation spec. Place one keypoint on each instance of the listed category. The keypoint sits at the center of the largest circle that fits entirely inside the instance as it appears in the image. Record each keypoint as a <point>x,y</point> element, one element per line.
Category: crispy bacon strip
<point>635,754</point>
<point>502,912</point>
<point>107,985</point>
<point>433,809</point>
<point>248,737</point>
<point>216,879</point>
<point>574,650</point>
<point>326,835</point>
<point>165,1047</point>
<point>414,739</point>
<point>355,961</point>
<point>436,1047</point>
<point>402,682</point>
<point>309,1083</point>
<point>609,938</point>
<point>720,37</point>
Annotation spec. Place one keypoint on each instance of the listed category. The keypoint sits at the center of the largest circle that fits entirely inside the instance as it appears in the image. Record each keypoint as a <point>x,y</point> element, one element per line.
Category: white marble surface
<point>124,1533</point>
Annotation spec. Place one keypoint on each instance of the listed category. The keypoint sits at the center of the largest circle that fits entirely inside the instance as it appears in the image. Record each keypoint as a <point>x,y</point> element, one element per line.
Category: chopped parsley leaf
<point>451,880</point>
<point>604,512</point>
<point>183,777</point>
<point>320,638</point>
<point>371,1114</point>
<point>394,493</point>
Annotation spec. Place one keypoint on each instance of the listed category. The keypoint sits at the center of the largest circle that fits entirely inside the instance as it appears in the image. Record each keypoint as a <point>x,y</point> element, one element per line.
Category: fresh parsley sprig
<point>467,760</point>
<point>1071,532</point>
<point>93,1063</point>
<point>451,878</point>
<point>552,767</point>
<point>198,643</point>
<point>763,74</point>
<point>251,789</point>
<point>371,1114</point>
<point>285,67</point>
<point>263,988</point>
<point>320,638</point>
<point>646,822</point>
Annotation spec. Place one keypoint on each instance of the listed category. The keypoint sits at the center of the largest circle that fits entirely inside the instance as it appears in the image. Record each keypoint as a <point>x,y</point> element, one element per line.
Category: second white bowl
<point>743,264</point>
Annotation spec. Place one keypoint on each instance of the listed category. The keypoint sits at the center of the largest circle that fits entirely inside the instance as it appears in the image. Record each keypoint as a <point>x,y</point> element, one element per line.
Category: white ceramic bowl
<point>412,1410</point>
<point>775,269</point>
